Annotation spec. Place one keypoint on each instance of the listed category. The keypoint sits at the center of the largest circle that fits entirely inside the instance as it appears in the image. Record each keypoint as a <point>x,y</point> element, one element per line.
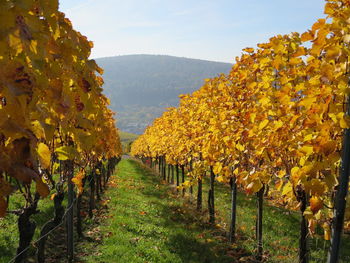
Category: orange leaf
<point>315,204</point>
<point>42,188</point>
<point>249,50</point>
<point>306,36</point>
<point>52,196</point>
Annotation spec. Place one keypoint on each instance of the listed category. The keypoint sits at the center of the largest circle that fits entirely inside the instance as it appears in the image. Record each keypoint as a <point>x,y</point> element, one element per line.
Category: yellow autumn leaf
<point>281,173</point>
<point>306,36</point>
<point>278,124</point>
<point>333,51</point>
<point>294,170</point>
<point>272,113</point>
<point>264,101</point>
<point>186,184</point>
<point>263,124</point>
<point>327,231</point>
<point>315,187</point>
<point>307,102</point>
<point>252,117</point>
<point>226,139</point>
<point>66,153</point>
<point>296,174</point>
<point>333,117</point>
<point>344,122</point>
<point>15,42</point>
<point>78,182</point>
<point>44,155</point>
<point>308,150</point>
<point>308,137</point>
<point>302,161</point>
<point>52,197</point>
<point>217,168</point>
<point>278,61</point>
<point>239,147</point>
<point>287,188</point>
<point>38,130</point>
<point>319,24</point>
<point>294,61</point>
<point>328,9</point>
<point>254,187</point>
<point>33,46</point>
<point>249,50</point>
<point>301,51</point>
<point>220,179</point>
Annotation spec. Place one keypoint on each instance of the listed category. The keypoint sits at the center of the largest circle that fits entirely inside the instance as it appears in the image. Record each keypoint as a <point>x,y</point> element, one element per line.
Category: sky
<point>214,30</point>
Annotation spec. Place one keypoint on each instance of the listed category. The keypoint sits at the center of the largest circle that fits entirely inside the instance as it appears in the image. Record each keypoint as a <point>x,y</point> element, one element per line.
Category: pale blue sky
<point>205,29</point>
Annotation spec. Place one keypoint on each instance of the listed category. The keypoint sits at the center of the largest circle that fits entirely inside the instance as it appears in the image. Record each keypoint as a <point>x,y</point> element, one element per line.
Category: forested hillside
<point>141,87</point>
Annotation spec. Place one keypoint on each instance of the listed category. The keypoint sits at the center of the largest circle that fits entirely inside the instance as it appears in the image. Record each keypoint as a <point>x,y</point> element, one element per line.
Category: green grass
<point>280,228</point>
<point>141,219</point>
<point>9,235</point>
<point>147,222</point>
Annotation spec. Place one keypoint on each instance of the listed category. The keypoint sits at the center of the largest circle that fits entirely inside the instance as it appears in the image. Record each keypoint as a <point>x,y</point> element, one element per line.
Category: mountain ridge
<point>140,87</point>
<point>161,55</point>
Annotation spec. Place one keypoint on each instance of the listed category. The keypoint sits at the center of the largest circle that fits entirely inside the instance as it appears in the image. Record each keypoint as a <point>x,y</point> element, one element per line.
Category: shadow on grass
<point>9,233</point>
<point>7,252</point>
<point>210,244</point>
<point>161,227</point>
<point>281,226</point>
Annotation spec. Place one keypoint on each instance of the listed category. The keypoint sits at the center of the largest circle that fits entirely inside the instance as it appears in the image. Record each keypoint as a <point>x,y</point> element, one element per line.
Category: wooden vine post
<point>211,205</point>
<point>232,232</point>
<point>259,235</point>
<point>164,169</point>
<point>340,200</point>
<point>183,179</point>
<point>70,212</point>
<point>199,194</point>
<point>177,177</point>
<point>172,174</point>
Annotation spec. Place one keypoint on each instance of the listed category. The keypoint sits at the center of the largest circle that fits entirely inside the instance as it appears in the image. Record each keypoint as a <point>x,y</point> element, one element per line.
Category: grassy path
<point>144,223</point>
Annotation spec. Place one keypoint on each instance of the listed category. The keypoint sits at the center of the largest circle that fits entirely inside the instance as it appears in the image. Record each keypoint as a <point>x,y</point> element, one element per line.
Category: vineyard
<point>277,126</point>
<point>268,142</point>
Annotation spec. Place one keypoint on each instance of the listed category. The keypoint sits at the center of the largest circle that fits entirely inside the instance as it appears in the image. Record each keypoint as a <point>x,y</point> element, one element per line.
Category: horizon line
<point>143,54</point>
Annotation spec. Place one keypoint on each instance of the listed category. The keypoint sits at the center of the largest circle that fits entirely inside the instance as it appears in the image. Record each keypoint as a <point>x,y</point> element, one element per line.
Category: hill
<point>126,139</point>
<point>141,87</point>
